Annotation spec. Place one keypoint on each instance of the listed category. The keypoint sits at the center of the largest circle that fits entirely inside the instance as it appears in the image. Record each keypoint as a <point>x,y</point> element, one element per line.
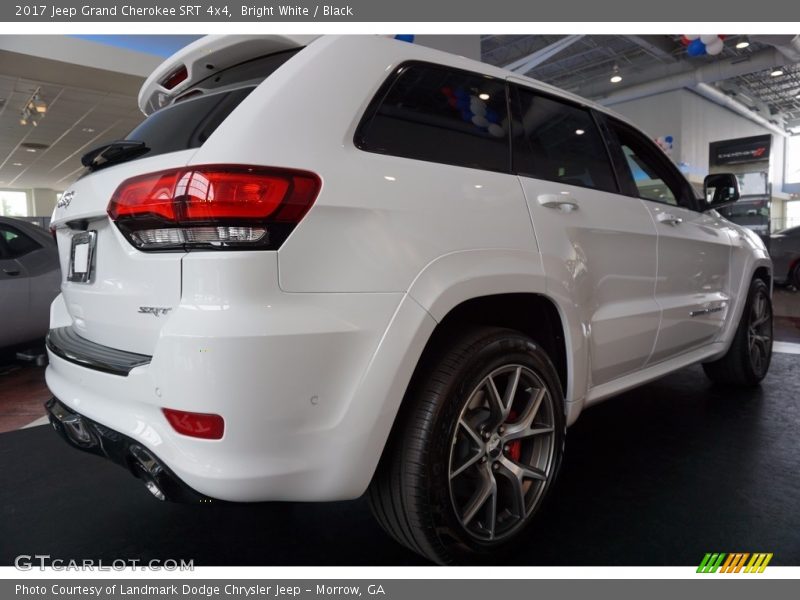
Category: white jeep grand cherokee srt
<point>328,266</point>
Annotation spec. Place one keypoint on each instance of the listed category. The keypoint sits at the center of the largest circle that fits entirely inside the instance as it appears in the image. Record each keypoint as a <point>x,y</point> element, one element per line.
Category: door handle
<point>11,272</point>
<point>563,202</point>
<point>669,219</point>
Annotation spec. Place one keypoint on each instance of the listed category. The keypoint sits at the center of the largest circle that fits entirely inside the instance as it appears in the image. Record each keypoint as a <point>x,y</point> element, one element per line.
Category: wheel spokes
<point>487,490</point>
<point>516,474</point>
<point>495,456</point>
<point>524,427</point>
<point>501,405</point>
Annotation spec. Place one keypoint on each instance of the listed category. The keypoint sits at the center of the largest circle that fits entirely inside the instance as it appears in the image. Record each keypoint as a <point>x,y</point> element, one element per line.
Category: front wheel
<point>476,449</point>
<point>747,361</point>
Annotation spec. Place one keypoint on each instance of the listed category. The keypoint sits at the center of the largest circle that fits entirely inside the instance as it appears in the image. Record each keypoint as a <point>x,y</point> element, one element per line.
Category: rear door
<point>14,292</point>
<point>694,249</point>
<point>598,247</point>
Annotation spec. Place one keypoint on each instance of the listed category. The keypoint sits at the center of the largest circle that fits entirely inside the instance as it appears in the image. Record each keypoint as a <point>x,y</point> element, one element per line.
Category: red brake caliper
<point>515,447</point>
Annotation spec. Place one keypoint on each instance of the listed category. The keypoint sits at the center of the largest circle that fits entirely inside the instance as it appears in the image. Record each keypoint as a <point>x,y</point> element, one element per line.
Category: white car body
<point>307,351</point>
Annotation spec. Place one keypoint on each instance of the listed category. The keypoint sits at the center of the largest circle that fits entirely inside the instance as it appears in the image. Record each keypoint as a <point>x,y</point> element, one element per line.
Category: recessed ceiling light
<point>579,132</point>
<point>777,73</point>
<point>615,78</point>
<point>484,96</point>
<point>88,130</point>
<point>30,149</point>
<point>742,45</point>
<point>17,164</point>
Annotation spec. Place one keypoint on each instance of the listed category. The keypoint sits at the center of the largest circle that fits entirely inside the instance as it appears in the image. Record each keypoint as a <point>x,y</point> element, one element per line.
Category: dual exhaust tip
<point>84,434</point>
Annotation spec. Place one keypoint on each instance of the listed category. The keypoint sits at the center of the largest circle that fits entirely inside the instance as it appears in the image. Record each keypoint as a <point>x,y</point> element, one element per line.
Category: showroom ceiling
<point>84,107</point>
<point>585,66</point>
<point>88,106</point>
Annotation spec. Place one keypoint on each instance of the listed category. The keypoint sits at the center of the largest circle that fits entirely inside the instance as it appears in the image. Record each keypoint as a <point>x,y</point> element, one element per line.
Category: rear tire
<point>794,278</point>
<point>474,451</point>
<point>747,361</point>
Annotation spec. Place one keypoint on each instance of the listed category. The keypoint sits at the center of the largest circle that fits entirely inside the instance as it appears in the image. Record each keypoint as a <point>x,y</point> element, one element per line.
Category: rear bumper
<point>307,384</point>
<point>84,434</point>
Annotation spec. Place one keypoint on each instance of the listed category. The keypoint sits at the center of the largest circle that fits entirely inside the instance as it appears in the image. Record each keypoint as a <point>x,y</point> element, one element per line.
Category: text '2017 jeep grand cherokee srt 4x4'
<point>327,266</point>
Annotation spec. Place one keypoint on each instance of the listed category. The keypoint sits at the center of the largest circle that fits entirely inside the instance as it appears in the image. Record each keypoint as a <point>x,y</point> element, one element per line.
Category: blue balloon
<point>462,93</point>
<point>463,104</point>
<point>405,38</point>
<point>492,116</point>
<point>668,139</point>
<point>696,48</point>
<point>466,115</point>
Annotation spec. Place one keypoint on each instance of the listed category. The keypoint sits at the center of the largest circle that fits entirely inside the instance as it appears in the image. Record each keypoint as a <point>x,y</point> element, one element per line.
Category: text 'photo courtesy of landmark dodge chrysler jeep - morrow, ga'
<point>323,267</point>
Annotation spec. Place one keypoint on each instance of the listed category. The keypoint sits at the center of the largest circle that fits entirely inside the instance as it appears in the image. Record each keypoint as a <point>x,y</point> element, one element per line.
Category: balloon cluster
<point>698,45</point>
<point>665,143</point>
<point>474,109</point>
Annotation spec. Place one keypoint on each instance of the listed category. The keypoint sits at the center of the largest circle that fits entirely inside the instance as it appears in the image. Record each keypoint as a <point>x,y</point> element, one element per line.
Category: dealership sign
<point>740,150</point>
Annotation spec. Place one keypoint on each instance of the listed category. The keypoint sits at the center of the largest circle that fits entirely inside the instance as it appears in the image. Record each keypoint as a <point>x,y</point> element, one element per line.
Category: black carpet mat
<point>658,476</point>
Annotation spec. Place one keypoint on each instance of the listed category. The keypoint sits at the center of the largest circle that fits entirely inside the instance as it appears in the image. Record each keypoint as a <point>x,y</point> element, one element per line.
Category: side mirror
<point>720,189</point>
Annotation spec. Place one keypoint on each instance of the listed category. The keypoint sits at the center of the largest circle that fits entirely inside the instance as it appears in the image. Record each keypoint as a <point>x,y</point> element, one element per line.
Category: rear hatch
<point>118,290</point>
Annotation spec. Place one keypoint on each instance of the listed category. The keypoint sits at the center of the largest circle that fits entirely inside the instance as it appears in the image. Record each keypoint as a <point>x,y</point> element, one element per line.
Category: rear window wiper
<point>115,152</point>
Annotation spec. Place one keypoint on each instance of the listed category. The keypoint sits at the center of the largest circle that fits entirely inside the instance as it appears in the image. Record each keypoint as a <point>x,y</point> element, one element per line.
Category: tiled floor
<point>22,395</point>
<point>23,391</point>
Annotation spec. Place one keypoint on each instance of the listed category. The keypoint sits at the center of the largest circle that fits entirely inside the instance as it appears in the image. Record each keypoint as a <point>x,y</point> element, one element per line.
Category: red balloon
<point>722,37</point>
<point>447,91</point>
<point>685,41</point>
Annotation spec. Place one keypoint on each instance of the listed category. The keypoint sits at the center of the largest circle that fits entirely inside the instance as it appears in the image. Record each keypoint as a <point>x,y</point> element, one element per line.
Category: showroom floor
<point>658,476</point>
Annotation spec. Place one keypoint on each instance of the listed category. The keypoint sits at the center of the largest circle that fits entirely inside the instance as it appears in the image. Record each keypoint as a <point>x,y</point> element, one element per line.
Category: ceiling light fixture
<point>484,96</point>
<point>34,109</point>
<point>16,164</point>
<point>615,76</point>
<point>776,72</point>
<point>579,132</point>
<point>742,43</point>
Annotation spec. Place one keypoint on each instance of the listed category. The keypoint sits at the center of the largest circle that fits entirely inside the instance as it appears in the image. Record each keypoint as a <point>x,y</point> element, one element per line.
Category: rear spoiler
<point>206,56</point>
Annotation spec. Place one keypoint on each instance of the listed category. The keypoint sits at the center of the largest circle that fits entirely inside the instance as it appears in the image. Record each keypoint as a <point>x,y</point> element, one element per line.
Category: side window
<point>440,115</point>
<point>647,170</point>
<point>16,243</point>
<point>557,141</point>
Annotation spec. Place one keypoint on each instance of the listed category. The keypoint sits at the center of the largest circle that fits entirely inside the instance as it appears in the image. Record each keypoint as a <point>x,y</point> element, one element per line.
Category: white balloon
<point>480,121</point>
<point>496,130</point>
<point>690,37</point>
<point>477,106</point>
<point>709,39</point>
<point>715,48</point>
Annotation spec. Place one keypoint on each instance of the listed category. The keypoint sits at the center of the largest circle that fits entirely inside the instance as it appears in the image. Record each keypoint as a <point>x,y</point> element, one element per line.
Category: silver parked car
<point>30,277</point>
<point>784,248</point>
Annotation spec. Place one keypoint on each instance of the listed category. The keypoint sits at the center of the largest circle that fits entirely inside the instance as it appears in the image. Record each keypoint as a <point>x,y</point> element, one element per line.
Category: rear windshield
<point>187,124</point>
<point>193,117</point>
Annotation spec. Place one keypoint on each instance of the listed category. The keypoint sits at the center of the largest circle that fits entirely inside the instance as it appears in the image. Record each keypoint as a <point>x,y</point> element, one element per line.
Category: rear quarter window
<point>441,115</point>
<point>187,124</point>
<point>191,119</point>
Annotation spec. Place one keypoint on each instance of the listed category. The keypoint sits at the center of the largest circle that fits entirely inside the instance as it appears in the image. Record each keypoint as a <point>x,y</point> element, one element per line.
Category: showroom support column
<point>43,201</point>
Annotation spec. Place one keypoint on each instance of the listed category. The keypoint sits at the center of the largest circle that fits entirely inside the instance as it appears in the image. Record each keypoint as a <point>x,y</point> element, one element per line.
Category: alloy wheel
<point>759,332</point>
<point>502,453</point>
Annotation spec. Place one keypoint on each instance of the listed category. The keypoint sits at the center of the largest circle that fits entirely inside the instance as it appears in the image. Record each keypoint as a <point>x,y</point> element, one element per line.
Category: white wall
<point>695,122</point>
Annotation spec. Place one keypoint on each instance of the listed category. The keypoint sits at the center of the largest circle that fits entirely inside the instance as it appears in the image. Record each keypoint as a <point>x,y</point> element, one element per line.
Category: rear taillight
<point>218,207</point>
<point>200,425</point>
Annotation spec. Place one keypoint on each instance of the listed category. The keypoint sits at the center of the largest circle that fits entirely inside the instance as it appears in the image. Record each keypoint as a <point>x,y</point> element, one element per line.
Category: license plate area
<point>81,256</point>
